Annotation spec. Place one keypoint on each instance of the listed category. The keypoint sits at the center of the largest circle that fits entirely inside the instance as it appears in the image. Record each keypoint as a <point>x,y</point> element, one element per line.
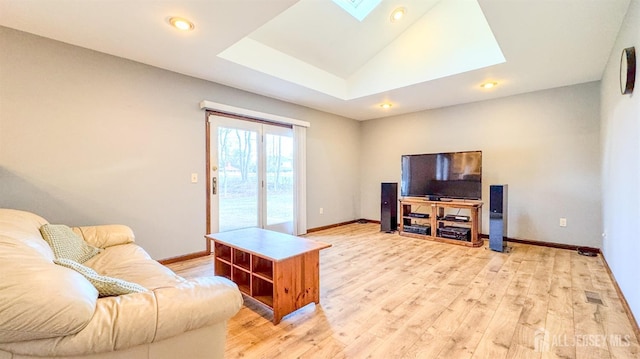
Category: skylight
<point>358,8</point>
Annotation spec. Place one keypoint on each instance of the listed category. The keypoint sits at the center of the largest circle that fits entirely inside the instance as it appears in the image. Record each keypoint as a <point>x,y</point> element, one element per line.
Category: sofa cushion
<point>105,235</point>
<point>66,244</point>
<point>132,263</point>
<point>106,286</point>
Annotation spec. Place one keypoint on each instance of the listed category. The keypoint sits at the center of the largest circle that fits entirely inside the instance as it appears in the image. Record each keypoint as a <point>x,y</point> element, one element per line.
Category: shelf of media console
<point>417,215</point>
<point>428,218</point>
<point>456,221</point>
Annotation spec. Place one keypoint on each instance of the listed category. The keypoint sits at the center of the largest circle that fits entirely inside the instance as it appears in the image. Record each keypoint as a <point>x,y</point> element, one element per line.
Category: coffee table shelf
<point>279,270</point>
<point>263,291</point>
<point>222,268</point>
<point>223,252</point>
<point>263,268</point>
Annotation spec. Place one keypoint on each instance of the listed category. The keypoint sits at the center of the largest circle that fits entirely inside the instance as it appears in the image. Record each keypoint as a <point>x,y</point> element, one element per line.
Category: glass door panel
<point>279,179</point>
<point>238,180</point>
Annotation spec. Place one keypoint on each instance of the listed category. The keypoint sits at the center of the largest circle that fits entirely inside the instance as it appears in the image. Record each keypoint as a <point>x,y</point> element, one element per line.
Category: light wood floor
<point>386,296</point>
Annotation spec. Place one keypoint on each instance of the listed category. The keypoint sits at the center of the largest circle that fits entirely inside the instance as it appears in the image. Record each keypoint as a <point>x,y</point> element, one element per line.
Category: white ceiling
<point>312,53</point>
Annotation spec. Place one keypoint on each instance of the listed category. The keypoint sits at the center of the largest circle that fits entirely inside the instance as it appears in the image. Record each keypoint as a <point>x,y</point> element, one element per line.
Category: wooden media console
<point>443,221</point>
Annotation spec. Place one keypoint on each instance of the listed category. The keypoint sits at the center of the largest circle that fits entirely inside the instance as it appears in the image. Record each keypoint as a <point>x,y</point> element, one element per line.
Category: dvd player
<point>418,229</point>
<point>456,218</point>
<point>418,215</point>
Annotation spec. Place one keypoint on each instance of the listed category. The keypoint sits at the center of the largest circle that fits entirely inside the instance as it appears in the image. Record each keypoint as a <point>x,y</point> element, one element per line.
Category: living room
<point>88,138</point>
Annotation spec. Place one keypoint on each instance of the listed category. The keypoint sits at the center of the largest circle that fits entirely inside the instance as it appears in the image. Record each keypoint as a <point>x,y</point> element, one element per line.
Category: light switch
<point>194,178</point>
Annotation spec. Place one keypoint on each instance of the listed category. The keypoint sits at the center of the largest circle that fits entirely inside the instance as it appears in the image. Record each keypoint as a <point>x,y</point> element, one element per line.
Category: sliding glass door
<point>251,175</point>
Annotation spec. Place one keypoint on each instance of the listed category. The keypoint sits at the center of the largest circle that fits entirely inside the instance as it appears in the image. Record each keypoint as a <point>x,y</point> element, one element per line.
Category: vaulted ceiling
<point>313,53</point>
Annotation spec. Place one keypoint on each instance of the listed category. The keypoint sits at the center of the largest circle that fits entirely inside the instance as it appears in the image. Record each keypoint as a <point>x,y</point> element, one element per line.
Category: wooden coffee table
<point>279,270</point>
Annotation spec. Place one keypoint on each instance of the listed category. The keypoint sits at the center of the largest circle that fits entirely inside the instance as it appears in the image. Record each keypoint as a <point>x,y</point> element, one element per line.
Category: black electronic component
<point>458,233</point>
<point>418,229</point>
<point>389,207</point>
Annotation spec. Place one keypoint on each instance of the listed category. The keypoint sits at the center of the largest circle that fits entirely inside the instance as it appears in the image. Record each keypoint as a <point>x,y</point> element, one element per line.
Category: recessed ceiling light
<point>386,105</point>
<point>181,23</point>
<point>488,85</point>
<point>398,13</point>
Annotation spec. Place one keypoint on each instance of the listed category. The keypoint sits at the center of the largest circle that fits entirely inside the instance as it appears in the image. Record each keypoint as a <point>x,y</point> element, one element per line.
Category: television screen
<point>445,175</point>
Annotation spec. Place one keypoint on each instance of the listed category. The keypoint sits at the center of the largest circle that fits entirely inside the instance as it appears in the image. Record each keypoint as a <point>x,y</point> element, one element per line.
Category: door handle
<point>214,185</point>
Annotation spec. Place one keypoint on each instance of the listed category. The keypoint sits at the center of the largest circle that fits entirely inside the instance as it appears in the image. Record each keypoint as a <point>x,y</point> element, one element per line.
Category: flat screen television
<point>455,175</point>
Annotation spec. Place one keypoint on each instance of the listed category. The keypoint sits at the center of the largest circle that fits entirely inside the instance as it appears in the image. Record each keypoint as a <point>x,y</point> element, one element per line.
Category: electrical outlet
<point>321,210</point>
<point>194,178</point>
<point>563,222</point>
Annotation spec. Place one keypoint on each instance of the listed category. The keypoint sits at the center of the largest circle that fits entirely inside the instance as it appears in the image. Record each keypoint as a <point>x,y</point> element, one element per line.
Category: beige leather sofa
<point>47,310</point>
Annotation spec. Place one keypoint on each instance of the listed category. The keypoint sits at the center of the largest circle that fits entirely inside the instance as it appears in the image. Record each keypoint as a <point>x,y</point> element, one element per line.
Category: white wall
<point>87,138</point>
<point>544,145</point>
<point>621,165</point>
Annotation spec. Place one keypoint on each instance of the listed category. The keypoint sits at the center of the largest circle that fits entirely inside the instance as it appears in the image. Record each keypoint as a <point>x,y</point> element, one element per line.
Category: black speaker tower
<point>389,208</point>
<point>497,216</point>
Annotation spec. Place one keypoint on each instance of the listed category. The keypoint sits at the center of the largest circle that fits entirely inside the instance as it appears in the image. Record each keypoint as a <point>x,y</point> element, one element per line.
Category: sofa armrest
<point>105,235</point>
<point>39,299</point>
<point>142,318</point>
<point>194,304</point>
<point>118,323</point>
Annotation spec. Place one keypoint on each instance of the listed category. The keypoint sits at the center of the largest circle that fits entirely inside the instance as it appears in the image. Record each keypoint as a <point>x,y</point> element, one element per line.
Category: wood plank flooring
<point>386,296</point>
